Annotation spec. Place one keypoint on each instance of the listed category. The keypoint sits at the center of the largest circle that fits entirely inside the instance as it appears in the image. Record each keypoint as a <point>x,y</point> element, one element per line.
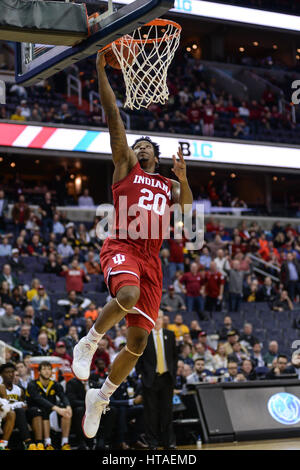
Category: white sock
<point>5,443</point>
<point>107,389</point>
<point>93,336</point>
<point>48,441</point>
<point>64,440</point>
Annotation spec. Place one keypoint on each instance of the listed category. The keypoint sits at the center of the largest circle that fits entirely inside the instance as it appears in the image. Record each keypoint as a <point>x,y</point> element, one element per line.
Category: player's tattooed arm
<point>122,154</point>
<point>181,191</point>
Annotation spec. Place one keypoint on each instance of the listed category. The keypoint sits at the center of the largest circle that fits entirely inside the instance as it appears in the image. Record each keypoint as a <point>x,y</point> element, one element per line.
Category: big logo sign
<point>284,408</point>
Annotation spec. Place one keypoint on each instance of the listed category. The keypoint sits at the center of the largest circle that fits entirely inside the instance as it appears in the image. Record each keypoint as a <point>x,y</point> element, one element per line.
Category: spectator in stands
<point>61,352</point>
<point>271,354</point>
<point>256,355</point>
<point>74,300</point>
<point>9,277</point>
<point>63,115</point>
<point>3,210</point>
<point>64,248</point>
<point>92,312</point>
<point>101,353</point>
<point>252,292</point>
<point>290,275</point>
<point>52,266</point>
<point>35,247</point>
<point>208,118</point>
<point>238,354</point>
<point>220,359</point>
<point>202,338</point>
<point>232,337</point>
<point>25,110</point>
<point>200,373</point>
<point>248,370</point>
<point>235,286</point>
<point>194,289</point>
<point>85,200</point>
<point>5,246</point>
<point>16,264</point>
<point>16,398</point>
<point>282,303</point>
<point>232,372</point>
<point>239,126</point>
<point>41,302</point>
<point>92,266</point>
<point>63,328</point>
<point>46,210</point>
<point>268,291</point>
<point>247,338</point>
<point>24,375</point>
<point>70,340</point>
<point>20,214</point>
<point>42,403</point>
<point>58,227</point>
<point>24,342</point>
<point>176,259</point>
<point>45,347</point>
<point>172,302</point>
<point>178,327</point>
<point>186,354</point>
<point>9,321</point>
<point>200,351</point>
<point>227,326</point>
<point>17,116</point>
<point>194,329</point>
<point>214,288</point>
<point>75,277</point>
<point>18,299</point>
<point>280,368</point>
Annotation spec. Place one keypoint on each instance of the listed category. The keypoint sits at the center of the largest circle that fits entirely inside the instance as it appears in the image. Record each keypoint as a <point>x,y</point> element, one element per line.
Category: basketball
<point>129,51</point>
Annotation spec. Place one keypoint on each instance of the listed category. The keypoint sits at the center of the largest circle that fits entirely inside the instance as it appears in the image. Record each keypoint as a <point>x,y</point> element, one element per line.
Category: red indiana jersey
<point>142,202</point>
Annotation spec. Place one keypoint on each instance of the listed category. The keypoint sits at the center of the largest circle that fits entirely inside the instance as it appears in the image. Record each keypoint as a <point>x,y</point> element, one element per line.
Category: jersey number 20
<point>158,202</point>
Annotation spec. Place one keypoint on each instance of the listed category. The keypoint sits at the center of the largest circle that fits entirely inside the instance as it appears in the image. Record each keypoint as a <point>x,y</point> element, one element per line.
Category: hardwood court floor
<point>273,444</point>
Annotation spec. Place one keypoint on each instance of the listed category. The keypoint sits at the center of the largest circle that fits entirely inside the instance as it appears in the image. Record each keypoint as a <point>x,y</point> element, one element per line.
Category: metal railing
<point>74,84</point>
<point>261,261</point>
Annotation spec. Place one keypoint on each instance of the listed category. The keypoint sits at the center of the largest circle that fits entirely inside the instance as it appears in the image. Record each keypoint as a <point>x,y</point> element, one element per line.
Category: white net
<point>144,58</point>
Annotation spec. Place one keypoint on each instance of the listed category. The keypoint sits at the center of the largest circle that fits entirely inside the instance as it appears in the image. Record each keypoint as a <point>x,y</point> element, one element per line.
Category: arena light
<point>234,14</point>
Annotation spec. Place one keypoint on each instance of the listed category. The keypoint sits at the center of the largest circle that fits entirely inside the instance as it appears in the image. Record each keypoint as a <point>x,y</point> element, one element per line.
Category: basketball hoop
<point>144,58</point>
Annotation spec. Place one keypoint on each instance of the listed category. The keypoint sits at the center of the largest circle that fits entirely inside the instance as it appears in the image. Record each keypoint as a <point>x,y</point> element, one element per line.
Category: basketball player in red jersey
<point>131,267</point>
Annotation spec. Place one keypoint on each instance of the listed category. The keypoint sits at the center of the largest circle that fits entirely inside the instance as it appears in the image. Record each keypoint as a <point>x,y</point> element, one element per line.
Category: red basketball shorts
<point>122,265</point>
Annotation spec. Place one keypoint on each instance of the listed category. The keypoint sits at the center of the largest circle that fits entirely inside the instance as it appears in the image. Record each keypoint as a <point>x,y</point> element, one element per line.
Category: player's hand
<point>100,61</point>
<point>179,168</point>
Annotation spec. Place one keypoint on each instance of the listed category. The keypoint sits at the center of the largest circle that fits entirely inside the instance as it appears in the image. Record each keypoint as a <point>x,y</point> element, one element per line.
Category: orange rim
<point>156,22</point>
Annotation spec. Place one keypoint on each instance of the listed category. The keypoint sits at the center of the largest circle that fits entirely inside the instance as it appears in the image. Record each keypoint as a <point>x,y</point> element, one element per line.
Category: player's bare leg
<point>113,312</point>
<point>97,400</point>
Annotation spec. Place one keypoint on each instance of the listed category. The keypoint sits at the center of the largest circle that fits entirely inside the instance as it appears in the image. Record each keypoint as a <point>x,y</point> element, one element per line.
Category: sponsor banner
<point>234,13</point>
<point>91,141</point>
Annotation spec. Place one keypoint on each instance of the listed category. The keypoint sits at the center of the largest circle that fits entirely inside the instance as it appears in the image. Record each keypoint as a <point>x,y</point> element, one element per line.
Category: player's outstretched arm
<point>181,191</point>
<point>123,156</point>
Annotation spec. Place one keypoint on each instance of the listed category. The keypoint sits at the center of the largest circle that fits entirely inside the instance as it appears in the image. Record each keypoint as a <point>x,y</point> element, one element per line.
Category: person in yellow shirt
<point>34,289</point>
<point>17,116</point>
<point>178,327</point>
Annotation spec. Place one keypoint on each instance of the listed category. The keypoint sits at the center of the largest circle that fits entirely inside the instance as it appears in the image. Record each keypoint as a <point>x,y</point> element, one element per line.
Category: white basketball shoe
<point>82,357</point>
<point>94,407</point>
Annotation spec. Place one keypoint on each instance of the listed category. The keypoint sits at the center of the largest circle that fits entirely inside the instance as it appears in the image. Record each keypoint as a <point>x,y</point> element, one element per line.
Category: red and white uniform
<point>131,257</point>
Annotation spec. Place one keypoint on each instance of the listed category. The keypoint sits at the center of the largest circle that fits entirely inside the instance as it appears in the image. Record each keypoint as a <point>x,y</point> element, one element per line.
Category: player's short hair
<point>7,365</point>
<point>44,364</point>
<point>154,144</point>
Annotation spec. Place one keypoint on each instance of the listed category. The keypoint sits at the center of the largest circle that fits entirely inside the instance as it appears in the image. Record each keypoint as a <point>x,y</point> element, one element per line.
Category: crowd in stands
<point>195,106</point>
<point>231,322</point>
